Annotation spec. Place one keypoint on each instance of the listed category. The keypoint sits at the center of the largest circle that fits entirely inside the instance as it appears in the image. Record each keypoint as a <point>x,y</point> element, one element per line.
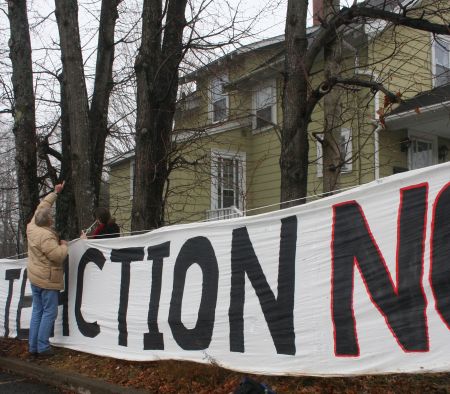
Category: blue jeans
<point>43,316</point>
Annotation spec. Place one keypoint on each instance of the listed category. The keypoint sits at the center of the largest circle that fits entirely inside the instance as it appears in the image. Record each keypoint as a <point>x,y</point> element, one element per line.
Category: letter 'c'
<point>91,255</point>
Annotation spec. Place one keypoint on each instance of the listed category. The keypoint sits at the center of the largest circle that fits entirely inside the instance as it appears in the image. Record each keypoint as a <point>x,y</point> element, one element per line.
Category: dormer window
<point>265,101</point>
<point>218,99</point>
<point>441,61</point>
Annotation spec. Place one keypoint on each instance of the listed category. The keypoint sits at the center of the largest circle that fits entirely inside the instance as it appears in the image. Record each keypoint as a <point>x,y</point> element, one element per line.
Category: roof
<point>262,44</point>
<point>382,4</point>
<point>388,5</point>
<point>429,98</point>
<point>119,159</point>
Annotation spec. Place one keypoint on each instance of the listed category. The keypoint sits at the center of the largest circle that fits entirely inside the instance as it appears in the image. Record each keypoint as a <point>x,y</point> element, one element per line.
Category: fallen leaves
<point>181,377</point>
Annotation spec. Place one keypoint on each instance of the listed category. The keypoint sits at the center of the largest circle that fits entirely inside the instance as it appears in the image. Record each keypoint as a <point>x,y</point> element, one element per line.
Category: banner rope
<point>289,201</point>
<point>259,208</point>
<point>225,216</point>
<point>15,256</point>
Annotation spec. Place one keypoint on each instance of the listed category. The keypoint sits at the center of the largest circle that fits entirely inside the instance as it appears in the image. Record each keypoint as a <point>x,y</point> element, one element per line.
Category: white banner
<point>357,283</point>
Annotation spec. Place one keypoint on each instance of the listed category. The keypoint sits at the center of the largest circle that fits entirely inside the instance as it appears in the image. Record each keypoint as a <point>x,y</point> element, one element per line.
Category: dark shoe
<point>32,355</point>
<point>46,354</point>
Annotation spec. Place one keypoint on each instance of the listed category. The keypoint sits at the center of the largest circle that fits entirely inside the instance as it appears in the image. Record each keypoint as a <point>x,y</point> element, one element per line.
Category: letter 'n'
<point>278,311</point>
<point>402,304</point>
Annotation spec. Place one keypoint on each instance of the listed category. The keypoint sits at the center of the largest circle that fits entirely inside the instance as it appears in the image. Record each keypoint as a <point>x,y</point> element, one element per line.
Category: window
<point>227,180</point>
<point>264,106</point>
<point>219,99</point>
<point>441,61</point>
<point>131,178</point>
<point>345,148</point>
<point>421,153</point>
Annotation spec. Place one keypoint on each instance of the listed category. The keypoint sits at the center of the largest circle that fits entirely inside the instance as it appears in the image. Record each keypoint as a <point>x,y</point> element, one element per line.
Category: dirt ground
<point>166,377</point>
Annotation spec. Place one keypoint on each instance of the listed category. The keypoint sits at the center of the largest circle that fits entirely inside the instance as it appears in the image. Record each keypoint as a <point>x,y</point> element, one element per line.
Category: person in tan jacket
<point>45,268</point>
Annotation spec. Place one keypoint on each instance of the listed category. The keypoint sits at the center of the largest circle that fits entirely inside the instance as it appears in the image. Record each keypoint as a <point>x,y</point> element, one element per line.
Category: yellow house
<point>228,119</point>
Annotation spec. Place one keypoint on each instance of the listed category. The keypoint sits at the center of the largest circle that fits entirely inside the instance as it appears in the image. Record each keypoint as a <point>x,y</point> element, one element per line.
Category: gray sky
<point>271,14</point>
<point>265,17</point>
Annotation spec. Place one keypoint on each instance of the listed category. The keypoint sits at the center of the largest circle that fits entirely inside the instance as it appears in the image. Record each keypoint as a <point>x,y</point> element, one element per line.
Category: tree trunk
<point>294,134</point>
<point>77,105</point>
<point>66,224</point>
<point>98,114</point>
<point>156,69</point>
<point>332,106</point>
<point>84,150</point>
<point>77,109</point>
<point>8,236</point>
<point>24,112</point>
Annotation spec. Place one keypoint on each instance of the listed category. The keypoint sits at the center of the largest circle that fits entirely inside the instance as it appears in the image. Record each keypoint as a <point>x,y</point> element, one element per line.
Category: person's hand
<point>63,242</point>
<point>59,187</point>
<point>83,235</point>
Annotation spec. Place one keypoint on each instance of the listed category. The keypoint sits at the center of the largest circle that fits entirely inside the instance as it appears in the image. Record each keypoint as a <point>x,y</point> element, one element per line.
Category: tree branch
<point>350,15</point>
<point>399,19</point>
<point>374,86</point>
<point>326,87</point>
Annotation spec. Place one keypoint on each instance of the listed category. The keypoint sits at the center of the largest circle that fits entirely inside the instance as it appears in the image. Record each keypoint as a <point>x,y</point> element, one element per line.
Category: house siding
<point>120,197</point>
<point>189,196</point>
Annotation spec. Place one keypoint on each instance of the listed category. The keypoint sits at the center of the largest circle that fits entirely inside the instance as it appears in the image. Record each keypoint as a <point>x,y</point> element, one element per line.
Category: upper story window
<point>265,100</point>
<point>188,96</point>
<point>218,99</point>
<point>441,61</point>
<point>345,149</point>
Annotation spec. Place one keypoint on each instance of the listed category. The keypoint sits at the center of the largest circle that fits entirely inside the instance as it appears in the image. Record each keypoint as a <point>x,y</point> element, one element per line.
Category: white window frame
<point>241,157</point>
<point>346,167</point>
<point>131,179</point>
<point>432,139</point>
<point>273,87</point>
<point>433,56</point>
<point>223,78</point>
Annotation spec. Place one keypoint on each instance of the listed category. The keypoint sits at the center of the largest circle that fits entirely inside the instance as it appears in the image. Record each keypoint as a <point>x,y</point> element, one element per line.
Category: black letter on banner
<point>63,299</point>
<point>440,254</point>
<point>10,275</point>
<point>199,251</point>
<point>125,256</point>
<point>91,255</point>
<point>154,339</point>
<point>278,312</point>
<point>24,302</point>
<point>402,305</point>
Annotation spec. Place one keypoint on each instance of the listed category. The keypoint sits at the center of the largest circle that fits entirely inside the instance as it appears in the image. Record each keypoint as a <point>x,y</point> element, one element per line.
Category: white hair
<point>43,217</point>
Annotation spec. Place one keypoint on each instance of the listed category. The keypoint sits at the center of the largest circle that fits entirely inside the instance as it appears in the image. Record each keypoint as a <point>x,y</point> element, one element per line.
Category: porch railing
<point>223,213</point>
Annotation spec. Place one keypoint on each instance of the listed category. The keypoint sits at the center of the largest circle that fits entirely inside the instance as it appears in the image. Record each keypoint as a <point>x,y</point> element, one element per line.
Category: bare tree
<point>332,114</point>
<point>11,242</point>
<point>300,98</point>
<point>71,143</point>
<point>163,48</point>
<point>156,66</point>
<point>86,126</point>
<point>23,111</point>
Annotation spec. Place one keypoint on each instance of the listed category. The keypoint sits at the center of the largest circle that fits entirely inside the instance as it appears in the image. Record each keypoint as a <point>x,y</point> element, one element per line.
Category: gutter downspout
<point>376,142</point>
<point>376,136</point>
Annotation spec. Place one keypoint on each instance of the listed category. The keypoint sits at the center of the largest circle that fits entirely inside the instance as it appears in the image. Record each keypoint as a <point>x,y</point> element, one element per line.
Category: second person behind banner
<point>106,225</point>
